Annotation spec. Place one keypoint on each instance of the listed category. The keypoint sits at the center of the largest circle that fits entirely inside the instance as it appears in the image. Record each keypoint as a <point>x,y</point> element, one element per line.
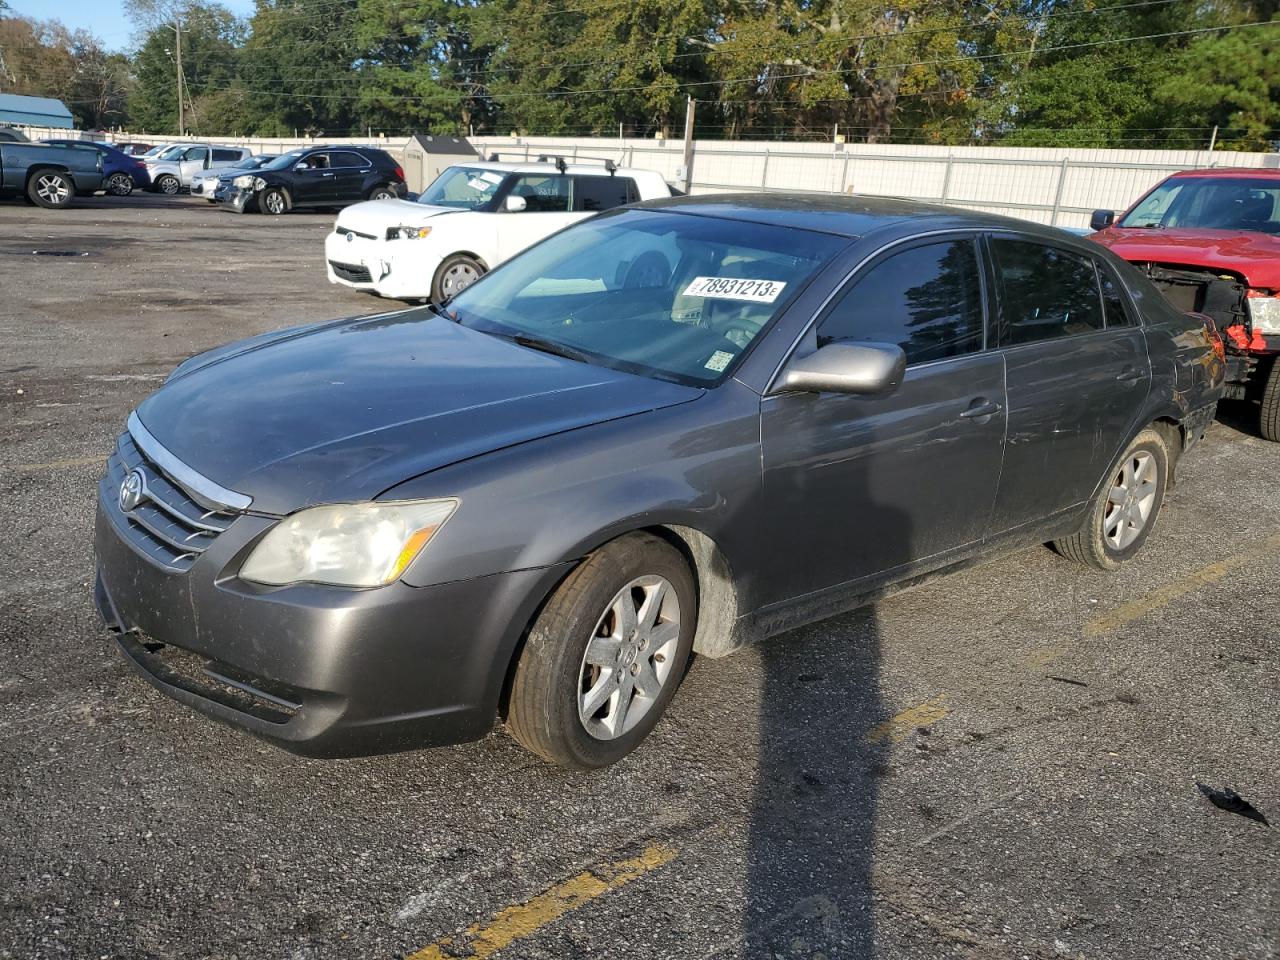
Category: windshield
<point>171,153</point>
<point>1210,203</point>
<point>467,188</point>
<point>661,294</point>
<point>285,161</point>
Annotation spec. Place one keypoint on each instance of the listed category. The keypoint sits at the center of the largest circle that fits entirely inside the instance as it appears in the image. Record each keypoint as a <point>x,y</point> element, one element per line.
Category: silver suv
<point>173,169</point>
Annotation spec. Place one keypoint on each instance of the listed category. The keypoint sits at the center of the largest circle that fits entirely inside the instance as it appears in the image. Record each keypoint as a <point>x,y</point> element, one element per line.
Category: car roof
<point>1253,173</point>
<point>843,215</point>
<point>547,166</point>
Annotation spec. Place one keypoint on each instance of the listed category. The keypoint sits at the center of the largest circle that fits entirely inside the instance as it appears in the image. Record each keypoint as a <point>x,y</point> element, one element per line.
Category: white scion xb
<point>471,218</point>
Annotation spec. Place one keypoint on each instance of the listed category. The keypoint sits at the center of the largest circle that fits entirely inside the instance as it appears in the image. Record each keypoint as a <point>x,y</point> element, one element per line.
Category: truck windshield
<point>466,188</point>
<point>1209,203</point>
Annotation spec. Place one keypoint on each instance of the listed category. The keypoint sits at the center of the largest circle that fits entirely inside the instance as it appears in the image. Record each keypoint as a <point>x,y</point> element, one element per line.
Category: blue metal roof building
<point>34,111</point>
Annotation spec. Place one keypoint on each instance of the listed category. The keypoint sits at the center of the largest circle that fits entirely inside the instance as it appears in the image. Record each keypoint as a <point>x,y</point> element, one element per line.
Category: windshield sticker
<point>494,178</point>
<point>733,288</point>
<point>719,360</point>
<point>476,183</point>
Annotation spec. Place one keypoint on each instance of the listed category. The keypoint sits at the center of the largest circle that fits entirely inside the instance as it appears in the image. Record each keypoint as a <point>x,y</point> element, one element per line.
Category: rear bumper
<point>321,671</point>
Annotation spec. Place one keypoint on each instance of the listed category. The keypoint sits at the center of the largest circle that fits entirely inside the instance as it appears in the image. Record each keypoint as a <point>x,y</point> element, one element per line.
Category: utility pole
<point>1213,139</point>
<point>177,46</point>
<point>690,106</point>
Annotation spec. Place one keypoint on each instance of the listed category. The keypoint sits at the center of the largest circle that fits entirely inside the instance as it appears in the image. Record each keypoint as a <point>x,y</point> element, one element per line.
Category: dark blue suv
<point>121,173</point>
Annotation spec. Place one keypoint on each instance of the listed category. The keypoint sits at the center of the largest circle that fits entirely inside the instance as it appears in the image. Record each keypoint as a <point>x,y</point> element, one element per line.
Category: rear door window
<point>592,194</point>
<point>542,193</point>
<point>224,155</point>
<point>925,299</point>
<point>345,158</point>
<point>1046,292</point>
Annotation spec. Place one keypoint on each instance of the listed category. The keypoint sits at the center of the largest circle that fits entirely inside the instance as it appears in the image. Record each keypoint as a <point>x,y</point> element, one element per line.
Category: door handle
<point>981,407</point>
<point>1129,373</point>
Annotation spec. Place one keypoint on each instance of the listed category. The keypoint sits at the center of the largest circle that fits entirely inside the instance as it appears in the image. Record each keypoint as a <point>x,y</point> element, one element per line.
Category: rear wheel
<point>168,184</point>
<point>455,275</point>
<point>1123,513</point>
<point>51,189</point>
<point>120,185</point>
<point>382,193</point>
<point>273,201</point>
<point>1270,422</point>
<point>605,656</point>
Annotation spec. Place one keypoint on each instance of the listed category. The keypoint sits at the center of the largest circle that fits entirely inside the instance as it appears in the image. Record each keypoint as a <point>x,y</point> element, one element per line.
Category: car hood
<point>374,216</point>
<point>1255,256</point>
<point>346,410</point>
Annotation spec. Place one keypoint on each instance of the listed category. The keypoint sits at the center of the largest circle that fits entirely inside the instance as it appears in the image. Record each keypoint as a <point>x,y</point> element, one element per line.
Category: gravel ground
<point>1003,763</point>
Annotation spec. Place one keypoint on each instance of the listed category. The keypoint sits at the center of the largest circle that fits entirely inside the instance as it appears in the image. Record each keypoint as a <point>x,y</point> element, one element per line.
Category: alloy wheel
<point>1131,501</point>
<point>169,186</point>
<point>275,202</point>
<point>120,185</point>
<point>629,657</point>
<point>53,189</point>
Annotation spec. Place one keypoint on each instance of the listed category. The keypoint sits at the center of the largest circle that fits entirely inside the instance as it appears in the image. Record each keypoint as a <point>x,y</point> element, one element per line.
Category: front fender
<point>695,465</point>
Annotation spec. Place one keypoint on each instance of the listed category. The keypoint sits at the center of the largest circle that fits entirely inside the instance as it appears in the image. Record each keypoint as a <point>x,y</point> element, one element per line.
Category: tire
<point>273,201</point>
<point>120,185</point>
<point>1269,423</point>
<point>168,184</point>
<point>382,192</point>
<point>579,655</point>
<point>1122,516</point>
<point>51,189</point>
<point>454,275</point>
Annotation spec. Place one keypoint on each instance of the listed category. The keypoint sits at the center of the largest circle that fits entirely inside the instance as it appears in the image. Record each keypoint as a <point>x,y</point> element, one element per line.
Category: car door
<point>349,171</point>
<point>313,181</point>
<point>1077,376</point>
<point>548,201</point>
<point>860,488</point>
<point>194,162</point>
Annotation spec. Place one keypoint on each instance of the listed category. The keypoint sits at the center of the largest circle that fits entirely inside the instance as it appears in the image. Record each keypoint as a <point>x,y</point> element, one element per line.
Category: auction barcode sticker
<point>733,288</point>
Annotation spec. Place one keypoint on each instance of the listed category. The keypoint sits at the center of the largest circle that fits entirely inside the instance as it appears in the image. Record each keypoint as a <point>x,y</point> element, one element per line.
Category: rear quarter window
<point>594,194</point>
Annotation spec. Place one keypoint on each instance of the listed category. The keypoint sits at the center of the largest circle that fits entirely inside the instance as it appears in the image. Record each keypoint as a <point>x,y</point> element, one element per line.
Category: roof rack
<point>561,164</point>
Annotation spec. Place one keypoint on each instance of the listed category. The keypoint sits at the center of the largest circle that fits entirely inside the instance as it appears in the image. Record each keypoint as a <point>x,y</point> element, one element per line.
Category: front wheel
<point>1269,425</point>
<point>455,275</point>
<point>273,201</point>
<point>605,656</point>
<point>168,184</point>
<point>51,189</point>
<point>1124,511</point>
<point>120,185</point>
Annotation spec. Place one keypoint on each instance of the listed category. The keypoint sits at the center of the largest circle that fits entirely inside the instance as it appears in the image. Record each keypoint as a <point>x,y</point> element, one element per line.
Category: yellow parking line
<point>515,923</point>
<point>53,464</point>
<point>898,727</point>
<point>1178,588</point>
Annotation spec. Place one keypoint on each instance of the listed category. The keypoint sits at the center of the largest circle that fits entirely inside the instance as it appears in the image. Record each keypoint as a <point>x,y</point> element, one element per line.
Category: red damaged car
<point>1210,240</point>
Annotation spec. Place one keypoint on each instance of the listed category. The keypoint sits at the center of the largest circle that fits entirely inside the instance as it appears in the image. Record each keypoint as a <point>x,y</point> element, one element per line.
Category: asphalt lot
<point>999,764</point>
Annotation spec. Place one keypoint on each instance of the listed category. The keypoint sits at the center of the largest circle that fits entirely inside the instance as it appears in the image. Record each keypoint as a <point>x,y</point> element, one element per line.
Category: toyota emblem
<point>132,490</point>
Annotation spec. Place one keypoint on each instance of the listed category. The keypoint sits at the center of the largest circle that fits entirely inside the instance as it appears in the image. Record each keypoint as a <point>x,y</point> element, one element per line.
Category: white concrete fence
<point>1046,184</point>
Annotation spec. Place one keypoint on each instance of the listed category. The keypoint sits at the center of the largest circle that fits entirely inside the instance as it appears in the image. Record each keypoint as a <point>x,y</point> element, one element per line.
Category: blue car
<point>121,173</point>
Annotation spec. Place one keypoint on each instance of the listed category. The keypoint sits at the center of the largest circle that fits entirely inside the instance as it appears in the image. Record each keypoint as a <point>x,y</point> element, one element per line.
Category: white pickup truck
<point>471,218</point>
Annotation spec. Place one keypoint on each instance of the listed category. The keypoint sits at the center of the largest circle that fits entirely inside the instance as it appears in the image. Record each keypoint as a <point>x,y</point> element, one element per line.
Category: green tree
<point>211,38</point>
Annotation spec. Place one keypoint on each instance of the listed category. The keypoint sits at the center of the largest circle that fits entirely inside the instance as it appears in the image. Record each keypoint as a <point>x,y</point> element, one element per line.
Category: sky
<point>105,18</point>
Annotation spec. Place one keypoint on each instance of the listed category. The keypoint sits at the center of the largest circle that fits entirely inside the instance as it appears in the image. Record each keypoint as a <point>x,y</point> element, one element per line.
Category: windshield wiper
<point>550,346</point>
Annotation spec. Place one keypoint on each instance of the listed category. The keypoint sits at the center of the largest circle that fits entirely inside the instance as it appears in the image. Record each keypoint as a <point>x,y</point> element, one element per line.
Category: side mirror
<point>515,204</point>
<point>1102,219</point>
<point>861,368</point>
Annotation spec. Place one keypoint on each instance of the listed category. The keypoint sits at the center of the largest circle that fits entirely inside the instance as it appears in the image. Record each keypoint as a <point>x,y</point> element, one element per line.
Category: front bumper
<point>241,201</point>
<point>390,268</point>
<point>321,671</point>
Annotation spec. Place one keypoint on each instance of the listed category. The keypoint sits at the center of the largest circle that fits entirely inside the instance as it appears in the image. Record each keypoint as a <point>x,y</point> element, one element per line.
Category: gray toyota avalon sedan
<point>679,427</point>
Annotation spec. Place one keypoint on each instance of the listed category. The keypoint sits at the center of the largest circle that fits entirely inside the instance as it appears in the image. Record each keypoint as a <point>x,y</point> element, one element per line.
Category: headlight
<point>407,233</point>
<point>245,181</point>
<point>347,544</point>
<point>1264,314</point>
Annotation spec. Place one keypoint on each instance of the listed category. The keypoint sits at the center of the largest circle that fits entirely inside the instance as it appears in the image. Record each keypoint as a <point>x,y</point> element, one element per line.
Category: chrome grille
<point>169,524</point>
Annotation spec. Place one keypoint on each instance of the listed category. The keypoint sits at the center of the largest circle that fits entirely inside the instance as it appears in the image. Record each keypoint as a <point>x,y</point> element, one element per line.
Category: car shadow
<point>822,754</point>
